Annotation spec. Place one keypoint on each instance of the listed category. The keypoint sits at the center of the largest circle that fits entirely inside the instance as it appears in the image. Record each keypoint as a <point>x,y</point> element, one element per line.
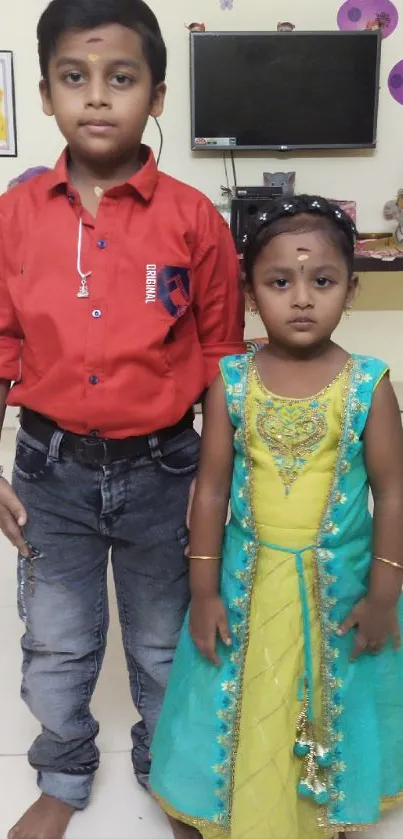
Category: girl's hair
<point>301,214</point>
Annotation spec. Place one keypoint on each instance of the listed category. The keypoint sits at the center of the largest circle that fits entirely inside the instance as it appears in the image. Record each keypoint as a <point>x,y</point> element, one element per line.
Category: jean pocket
<point>183,459</point>
<point>31,459</point>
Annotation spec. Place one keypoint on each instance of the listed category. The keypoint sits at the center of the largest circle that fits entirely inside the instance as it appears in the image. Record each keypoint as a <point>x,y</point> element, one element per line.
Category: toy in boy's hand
<point>284,180</point>
<point>196,27</point>
<point>285,27</point>
<point>27,175</point>
<point>394,210</point>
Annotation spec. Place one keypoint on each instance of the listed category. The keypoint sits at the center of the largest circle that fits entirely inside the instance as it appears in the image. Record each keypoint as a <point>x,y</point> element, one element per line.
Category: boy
<point>119,294</point>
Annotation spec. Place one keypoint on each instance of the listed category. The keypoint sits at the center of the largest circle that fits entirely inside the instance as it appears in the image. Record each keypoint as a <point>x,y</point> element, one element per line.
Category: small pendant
<point>83,290</point>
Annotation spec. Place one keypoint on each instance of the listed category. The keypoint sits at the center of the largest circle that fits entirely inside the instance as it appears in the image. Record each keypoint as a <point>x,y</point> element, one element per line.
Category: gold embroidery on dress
<point>292,431</point>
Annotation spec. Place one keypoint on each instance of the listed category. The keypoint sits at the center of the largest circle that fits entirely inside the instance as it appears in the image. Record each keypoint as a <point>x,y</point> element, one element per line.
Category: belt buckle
<point>91,451</point>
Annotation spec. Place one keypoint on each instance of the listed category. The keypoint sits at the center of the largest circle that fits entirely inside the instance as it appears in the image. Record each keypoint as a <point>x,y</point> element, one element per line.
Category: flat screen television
<point>284,90</point>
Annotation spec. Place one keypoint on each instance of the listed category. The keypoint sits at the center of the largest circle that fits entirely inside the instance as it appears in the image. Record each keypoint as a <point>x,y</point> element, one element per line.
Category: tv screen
<point>284,90</point>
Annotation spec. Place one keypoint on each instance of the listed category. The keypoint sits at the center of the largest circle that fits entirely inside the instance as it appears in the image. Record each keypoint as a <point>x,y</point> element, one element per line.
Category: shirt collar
<point>142,182</point>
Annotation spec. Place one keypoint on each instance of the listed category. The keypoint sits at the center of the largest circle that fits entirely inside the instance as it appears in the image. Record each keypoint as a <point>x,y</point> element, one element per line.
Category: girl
<point>283,718</point>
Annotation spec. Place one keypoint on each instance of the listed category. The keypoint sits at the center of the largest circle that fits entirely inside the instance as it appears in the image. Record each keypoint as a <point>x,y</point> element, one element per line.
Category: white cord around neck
<point>83,290</point>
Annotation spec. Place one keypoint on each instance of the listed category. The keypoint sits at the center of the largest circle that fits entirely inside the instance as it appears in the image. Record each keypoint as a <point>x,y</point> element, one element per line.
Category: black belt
<point>99,451</point>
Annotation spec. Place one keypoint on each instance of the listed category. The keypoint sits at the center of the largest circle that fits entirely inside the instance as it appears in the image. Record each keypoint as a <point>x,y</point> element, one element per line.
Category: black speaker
<point>245,213</point>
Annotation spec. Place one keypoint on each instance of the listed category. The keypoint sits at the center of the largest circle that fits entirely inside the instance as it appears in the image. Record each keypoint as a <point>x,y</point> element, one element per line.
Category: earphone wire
<point>161,146</point>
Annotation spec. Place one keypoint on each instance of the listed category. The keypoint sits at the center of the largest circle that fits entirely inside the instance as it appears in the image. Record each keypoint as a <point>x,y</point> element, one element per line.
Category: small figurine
<point>394,210</point>
<point>283,180</point>
<point>196,27</point>
<point>381,21</point>
<point>285,27</point>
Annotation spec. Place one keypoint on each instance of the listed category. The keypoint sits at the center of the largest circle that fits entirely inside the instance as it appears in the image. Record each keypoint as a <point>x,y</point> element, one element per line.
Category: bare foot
<point>184,831</point>
<point>46,819</point>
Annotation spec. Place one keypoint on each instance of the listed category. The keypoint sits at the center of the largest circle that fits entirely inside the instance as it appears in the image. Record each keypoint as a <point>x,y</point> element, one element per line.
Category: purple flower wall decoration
<point>368,14</point>
<point>227,4</point>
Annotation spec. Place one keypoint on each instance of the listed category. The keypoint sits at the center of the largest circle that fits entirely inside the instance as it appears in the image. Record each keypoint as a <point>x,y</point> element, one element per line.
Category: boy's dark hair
<point>80,15</point>
<point>301,214</point>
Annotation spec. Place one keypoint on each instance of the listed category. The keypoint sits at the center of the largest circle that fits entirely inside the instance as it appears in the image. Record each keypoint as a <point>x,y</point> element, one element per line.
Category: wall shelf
<point>369,263</point>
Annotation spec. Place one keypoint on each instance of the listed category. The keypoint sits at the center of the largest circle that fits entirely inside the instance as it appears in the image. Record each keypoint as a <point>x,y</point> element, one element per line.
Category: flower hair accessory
<point>309,204</point>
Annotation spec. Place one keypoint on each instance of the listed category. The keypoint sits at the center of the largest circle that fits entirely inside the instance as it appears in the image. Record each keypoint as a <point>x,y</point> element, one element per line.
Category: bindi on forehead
<point>303,256</point>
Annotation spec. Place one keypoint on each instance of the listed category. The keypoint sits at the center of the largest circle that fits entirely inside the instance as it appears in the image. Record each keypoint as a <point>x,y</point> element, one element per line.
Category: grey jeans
<point>76,514</point>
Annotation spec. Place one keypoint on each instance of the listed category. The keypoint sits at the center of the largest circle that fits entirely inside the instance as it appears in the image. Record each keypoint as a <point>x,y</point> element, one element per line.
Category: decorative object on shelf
<point>196,27</point>
<point>226,4</point>
<point>395,82</point>
<point>285,27</point>
<point>283,180</point>
<point>393,210</point>
<point>386,246</point>
<point>8,133</point>
<point>368,14</point>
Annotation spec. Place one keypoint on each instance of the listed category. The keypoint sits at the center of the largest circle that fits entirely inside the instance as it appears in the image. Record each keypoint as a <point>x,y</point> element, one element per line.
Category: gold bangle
<point>205,557</point>
<point>389,562</point>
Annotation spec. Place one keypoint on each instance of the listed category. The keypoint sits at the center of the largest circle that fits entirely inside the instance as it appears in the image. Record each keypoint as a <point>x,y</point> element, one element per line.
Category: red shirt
<point>165,301</point>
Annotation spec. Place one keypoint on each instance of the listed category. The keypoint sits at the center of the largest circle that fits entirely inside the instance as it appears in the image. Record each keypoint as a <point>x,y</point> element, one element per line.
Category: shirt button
<point>102,243</point>
<point>94,380</point>
<point>96,313</point>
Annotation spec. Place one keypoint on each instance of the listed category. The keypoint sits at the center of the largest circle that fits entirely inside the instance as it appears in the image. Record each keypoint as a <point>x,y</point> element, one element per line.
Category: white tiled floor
<point>119,810</point>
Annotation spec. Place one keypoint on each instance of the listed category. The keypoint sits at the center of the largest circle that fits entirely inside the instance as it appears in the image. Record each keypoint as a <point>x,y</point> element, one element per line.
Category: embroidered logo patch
<point>173,289</point>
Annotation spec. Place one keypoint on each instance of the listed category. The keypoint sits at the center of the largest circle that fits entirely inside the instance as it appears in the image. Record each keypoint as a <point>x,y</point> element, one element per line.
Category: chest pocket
<point>173,290</point>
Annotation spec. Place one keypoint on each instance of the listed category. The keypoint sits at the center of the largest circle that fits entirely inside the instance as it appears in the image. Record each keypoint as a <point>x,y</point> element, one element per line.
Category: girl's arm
<point>207,522</point>
<point>383,441</point>
<point>210,502</point>
<point>375,616</point>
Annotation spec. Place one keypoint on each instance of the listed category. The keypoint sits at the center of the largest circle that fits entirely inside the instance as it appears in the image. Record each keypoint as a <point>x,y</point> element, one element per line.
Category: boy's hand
<point>12,517</point>
<point>375,625</point>
<point>207,618</point>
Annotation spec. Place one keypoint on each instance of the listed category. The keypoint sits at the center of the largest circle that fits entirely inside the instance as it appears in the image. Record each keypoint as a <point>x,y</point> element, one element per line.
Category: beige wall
<point>370,178</point>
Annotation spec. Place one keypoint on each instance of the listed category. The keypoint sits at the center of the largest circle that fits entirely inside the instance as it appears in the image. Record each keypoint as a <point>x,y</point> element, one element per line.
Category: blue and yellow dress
<point>287,739</point>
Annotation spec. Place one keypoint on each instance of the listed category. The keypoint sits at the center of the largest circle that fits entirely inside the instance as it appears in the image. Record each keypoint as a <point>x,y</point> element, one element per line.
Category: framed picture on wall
<point>8,131</point>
